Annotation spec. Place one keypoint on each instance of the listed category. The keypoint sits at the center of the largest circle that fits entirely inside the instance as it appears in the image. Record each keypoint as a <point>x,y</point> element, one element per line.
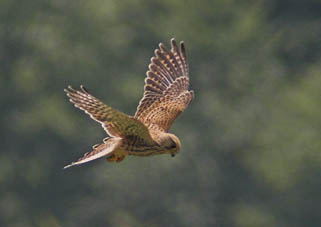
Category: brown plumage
<point>166,95</point>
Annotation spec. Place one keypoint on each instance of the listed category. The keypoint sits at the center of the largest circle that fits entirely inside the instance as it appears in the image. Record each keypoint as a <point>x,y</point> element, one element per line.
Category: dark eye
<point>170,144</point>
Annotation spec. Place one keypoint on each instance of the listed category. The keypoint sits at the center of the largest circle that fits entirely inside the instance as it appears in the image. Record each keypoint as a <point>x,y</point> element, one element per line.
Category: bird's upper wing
<point>166,92</point>
<point>113,121</point>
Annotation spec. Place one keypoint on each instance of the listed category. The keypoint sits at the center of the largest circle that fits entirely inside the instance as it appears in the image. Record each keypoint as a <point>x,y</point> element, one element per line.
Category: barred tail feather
<point>100,150</point>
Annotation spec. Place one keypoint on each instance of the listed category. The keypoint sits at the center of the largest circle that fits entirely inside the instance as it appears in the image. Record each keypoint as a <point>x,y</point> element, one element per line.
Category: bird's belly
<point>144,152</point>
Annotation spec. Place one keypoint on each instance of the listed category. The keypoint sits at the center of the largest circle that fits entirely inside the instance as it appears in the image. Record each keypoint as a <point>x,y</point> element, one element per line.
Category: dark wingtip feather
<point>183,49</point>
<point>173,43</point>
<point>163,48</point>
<point>95,146</point>
<point>106,139</point>
<point>70,90</point>
<point>82,87</point>
<point>157,53</point>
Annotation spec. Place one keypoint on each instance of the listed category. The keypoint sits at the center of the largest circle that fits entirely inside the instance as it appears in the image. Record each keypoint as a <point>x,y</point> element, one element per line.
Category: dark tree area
<point>251,138</point>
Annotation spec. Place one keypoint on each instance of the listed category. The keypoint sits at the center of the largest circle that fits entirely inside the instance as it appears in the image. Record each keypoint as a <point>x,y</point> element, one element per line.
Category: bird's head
<point>170,143</point>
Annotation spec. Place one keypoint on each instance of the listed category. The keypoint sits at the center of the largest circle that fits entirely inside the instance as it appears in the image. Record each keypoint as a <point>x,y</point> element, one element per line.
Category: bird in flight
<point>166,95</point>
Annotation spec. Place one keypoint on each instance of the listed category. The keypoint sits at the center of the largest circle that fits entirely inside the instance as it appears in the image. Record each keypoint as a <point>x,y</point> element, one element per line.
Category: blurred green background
<point>251,137</point>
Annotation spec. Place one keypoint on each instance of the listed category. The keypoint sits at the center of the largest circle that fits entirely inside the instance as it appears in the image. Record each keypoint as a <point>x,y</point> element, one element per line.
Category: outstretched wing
<point>166,92</point>
<point>116,123</point>
<point>99,151</point>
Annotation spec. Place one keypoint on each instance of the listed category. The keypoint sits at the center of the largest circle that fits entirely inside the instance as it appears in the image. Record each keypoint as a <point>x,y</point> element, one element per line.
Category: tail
<point>99,151</point>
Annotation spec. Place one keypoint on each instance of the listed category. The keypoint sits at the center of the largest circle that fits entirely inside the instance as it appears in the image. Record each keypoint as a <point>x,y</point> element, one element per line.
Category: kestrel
<point>166,95</point>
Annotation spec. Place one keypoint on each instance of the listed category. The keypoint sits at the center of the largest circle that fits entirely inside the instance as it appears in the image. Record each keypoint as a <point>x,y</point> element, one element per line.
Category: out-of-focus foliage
<point>251,139</point>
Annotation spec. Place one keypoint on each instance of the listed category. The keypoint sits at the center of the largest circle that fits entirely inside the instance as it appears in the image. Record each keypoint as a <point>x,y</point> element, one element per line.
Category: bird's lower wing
<point>102,150</point>
<point>116,123</point>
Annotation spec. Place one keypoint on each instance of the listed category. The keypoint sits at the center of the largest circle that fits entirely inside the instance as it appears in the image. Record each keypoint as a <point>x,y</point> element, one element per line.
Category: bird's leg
<point>120,158</point>
<point>112,158</point>
<point>116,158</point>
